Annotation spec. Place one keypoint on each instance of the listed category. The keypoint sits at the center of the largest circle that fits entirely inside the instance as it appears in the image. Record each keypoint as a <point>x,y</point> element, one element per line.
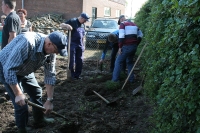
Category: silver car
<point>97,33</point>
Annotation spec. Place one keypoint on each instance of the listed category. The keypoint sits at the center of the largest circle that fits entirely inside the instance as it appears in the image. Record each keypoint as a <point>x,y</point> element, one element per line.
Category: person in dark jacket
<point>112,41</point>
<point>77,46</point>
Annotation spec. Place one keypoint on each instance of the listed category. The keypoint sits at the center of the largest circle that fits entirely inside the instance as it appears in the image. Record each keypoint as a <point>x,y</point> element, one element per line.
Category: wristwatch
<point>50,100</point>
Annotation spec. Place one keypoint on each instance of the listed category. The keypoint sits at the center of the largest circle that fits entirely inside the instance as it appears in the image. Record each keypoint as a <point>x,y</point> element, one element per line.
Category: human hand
<point>100,61</point>
<point>48,106</point>
<point>20,99</point>
<point>66,26</point>
<point>120,51</point>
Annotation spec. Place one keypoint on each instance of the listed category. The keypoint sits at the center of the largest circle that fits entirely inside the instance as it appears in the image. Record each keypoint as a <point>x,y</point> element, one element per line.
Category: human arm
<point>104,51</point>
<point>66,26</point>
<point>48,105</point>
<point>49,82</point>
<point>1,27</point>
<point>11,36</point>
<point>18,53</point>
<point>13,25</point>
<point>19,95</point>
<point>121,35</point>
<point>139,36</point>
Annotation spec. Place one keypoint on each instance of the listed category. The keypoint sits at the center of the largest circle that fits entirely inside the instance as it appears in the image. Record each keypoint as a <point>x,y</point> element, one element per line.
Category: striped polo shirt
<point>128,33</point>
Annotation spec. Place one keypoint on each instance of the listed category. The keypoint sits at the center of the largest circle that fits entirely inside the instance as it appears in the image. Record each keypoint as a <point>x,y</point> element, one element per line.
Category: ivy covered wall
<point>171,62</point>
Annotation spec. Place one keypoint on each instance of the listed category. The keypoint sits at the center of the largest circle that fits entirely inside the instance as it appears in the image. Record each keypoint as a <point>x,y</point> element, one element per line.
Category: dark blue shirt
<point>77,33</point>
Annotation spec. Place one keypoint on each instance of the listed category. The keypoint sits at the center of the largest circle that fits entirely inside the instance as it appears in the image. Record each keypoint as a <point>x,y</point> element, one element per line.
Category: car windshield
<point>110,24</point>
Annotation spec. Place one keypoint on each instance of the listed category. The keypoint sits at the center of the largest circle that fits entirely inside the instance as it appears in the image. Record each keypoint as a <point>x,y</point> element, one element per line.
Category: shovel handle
<point>101,97</point>
<point>42,108</point>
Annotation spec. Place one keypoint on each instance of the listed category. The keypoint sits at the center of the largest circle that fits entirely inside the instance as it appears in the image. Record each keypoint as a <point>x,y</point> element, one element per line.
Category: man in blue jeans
<point>112,41</point>
<point>129,38</point>
<point>18,60</point>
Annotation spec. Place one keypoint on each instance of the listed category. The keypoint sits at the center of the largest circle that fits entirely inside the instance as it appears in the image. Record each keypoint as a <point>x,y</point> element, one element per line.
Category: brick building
<point>73,8</point>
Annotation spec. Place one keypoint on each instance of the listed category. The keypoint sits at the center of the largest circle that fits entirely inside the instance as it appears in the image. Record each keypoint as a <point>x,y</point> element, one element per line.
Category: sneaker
<point>77,78</point>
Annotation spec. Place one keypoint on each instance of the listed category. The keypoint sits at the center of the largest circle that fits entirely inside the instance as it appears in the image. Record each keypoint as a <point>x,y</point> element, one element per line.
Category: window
<point>118,13</point>
<point>107,11</point>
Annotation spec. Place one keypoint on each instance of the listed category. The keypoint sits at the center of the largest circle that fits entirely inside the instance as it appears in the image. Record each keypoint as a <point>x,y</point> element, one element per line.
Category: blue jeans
<point>128,52</point>
<point>113,58</point>
<point>30,85</point>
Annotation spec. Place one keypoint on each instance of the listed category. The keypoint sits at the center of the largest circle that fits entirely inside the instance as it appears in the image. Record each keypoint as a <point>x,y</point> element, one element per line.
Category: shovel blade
<point>136,90</point>
<point>68,74</point>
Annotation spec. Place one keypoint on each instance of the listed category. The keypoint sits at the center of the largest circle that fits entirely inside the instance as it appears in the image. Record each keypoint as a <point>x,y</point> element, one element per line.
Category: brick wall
<point>69,8</point>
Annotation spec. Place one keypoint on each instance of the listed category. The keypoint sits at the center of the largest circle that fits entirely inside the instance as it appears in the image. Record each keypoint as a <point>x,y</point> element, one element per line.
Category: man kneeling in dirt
<point>18,60</point>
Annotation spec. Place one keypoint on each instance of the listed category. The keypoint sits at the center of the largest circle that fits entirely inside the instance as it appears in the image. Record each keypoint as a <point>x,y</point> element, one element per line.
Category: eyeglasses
<point>55,48</point>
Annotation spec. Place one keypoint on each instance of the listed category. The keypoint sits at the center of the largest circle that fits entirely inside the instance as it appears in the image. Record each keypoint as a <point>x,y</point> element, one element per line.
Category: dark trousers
<point>30,85</point>
<point>76,61</point>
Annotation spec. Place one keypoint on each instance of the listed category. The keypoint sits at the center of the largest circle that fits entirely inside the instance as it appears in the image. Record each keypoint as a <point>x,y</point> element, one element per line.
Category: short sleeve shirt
<point>12,24</point>
<point>78,31</point>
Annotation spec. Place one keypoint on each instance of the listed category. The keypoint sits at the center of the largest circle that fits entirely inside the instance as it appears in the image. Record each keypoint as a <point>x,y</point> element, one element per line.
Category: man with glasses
<point>77,46</point>
<point>112,41</point>
<point>18,60</point>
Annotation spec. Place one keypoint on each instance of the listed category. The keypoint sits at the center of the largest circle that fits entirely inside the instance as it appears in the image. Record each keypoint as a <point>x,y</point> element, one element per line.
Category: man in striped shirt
<point>129,38</point>
<point>18,60</point>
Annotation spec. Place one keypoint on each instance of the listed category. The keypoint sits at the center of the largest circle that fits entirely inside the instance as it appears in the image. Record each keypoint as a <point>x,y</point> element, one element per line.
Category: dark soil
<point>84,110</point>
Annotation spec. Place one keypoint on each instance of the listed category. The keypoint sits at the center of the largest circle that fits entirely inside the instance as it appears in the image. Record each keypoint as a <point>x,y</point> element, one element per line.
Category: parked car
<point>98,31</point>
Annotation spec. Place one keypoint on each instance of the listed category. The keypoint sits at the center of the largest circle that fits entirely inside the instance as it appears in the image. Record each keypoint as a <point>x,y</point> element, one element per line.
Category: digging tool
<point>113,103</point>
<point>139,88</point>
<point>69,43</point>
<point>134,66</point>
<point>42,108</point>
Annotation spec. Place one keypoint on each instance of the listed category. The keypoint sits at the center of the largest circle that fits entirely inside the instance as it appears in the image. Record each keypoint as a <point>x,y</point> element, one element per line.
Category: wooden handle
<point>101,97</point>
<point>134,66</point>
<point>69,41</point>
<point>42,108</point>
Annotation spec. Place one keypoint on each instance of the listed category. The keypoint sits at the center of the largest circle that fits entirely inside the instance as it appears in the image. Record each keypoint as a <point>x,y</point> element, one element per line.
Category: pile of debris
<point>47,23</point>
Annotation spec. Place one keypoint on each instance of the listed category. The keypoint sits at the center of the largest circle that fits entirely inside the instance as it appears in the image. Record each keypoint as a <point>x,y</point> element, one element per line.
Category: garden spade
<point>139,88</point>
<point>113,103</point>
<point>42,108</point>
<point>69,43</point>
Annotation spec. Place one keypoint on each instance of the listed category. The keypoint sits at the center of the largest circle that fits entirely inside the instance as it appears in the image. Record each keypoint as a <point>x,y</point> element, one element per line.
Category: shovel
<point>42,108</point>
<point>139,88</point>
<point>133,66</point>
<point>113,103</point>
<point>69,43</point>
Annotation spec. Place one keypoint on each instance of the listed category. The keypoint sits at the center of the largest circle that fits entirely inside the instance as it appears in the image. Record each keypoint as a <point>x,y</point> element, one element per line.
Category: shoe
<point>22,130</point>
<point>77,78</point>
<point>40,120</point>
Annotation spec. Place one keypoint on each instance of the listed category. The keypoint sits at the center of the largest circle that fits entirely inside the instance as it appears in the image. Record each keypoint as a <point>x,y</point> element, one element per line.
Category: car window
<point>111,24</point>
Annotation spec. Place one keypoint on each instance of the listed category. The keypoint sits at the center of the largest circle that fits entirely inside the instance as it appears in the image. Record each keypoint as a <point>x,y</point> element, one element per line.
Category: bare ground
<point>84,110</point>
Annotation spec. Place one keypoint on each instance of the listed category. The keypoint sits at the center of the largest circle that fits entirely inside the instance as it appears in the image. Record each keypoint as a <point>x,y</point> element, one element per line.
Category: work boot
<point>40,120</point>
<point>22,130</point>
